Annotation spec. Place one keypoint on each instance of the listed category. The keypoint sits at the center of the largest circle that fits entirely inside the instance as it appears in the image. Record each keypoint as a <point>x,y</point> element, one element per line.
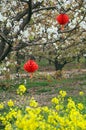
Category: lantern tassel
<point>62,27</point>
<point>31,75</point>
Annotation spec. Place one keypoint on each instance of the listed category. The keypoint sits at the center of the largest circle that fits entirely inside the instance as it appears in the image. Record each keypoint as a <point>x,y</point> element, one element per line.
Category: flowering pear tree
<point>32,24</point>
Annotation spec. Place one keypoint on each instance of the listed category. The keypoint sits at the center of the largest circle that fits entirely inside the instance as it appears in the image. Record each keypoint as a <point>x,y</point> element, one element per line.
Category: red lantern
<point>62,19</point>
<point>30,66</point>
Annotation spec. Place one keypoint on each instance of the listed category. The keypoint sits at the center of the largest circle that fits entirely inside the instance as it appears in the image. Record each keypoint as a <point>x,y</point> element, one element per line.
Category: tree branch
<point>7,49</point>
<point>21,14</point>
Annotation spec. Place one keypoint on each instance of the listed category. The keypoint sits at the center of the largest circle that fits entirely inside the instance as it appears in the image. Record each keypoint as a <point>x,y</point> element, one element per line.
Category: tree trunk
<point>2,46</point>
<point>58,65</point>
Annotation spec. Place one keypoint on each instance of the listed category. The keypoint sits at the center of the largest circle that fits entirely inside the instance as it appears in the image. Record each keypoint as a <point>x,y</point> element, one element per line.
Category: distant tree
<point>32,24</point>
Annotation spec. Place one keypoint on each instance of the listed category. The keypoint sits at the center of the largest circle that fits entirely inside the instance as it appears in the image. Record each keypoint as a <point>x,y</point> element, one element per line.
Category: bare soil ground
<point>43,95</point>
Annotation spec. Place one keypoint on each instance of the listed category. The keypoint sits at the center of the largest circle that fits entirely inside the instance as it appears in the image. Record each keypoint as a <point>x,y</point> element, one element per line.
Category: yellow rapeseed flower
<point>1,106</point>
<point>3,120</point>
<point>62,116</point>
<point>80,106</point>
<point>10,103</point>
<point>12,113</point>
<point>45,109</point>
<point>71,104</point>
<point>59,107</point>
<point>21,90</point>
<point>63,93</point>
<point>33,103</point>
<point>8,127</point>
<point>55,100</point>
<point>81,93</point>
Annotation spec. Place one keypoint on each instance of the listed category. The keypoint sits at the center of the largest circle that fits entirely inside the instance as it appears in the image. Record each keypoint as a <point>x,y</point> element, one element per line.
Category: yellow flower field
<point>60,116</point>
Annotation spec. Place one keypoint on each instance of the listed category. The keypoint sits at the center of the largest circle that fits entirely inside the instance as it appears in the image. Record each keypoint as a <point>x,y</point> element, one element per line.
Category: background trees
<point>32,25</point>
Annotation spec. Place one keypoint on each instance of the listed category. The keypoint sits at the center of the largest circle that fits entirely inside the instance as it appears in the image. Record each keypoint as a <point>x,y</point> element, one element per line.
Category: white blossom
<point>83,24</point>
<point>84,55</point>
<point>68,1</point>
<point>8,24</point>
<point>44,40</point>
<point>7,63</point>
<point>19,37</point>
<point>52,29</point>
<point>21,21</point>
<point>56,46</point>
<point>4,68</point>
<point>42,30</point>
<point>49,37</point>
<point>16,28</point>
<point>55,36</point>
<point>25,34</point>
<point>2,18</point>
<point>14,3</point>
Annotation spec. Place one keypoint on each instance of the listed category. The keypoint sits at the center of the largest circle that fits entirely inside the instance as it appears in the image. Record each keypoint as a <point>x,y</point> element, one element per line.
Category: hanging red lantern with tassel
<point>62,19</point>
<point>31,66</point>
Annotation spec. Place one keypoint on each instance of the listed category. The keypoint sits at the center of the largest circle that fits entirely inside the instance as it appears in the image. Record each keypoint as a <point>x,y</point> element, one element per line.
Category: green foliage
<point>36,84</point>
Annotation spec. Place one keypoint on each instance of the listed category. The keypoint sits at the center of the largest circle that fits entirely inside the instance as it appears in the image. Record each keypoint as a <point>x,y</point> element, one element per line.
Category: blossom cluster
<point>60,116</point>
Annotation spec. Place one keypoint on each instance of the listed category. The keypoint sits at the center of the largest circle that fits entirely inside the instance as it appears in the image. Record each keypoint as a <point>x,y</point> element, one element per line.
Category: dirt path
<point>67,73</point>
